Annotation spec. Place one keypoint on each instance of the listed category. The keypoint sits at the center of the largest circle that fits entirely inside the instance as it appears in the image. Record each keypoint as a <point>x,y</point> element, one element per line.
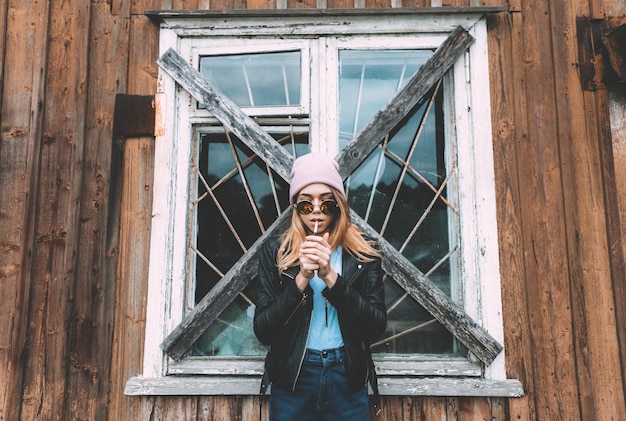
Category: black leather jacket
<point>283,317</point>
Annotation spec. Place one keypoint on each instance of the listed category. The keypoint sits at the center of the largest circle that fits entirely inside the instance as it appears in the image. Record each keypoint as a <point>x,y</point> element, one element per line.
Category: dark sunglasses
<point>327,207</point>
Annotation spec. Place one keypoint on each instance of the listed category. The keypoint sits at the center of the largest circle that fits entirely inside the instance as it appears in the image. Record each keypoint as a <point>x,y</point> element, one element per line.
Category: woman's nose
<point>317,207</point>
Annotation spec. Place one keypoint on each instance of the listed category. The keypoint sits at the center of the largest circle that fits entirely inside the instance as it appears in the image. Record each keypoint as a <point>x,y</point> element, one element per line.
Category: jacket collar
<point>349,263</point>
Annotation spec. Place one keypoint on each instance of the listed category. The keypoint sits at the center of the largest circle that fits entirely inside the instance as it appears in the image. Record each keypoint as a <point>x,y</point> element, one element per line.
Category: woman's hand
<point>315,255</point>
<point>307,271</point>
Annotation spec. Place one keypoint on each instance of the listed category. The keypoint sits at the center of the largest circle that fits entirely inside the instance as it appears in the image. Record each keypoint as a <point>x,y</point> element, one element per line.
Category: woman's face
<point>316,206</point>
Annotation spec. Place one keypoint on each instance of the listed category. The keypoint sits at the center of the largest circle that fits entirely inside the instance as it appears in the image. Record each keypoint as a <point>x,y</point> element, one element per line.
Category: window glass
<point>256,80</point>
<point>367,79</point>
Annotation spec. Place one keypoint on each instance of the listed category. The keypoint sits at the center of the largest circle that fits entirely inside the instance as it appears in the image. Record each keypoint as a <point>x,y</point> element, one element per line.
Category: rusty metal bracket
<point>601,52</point>
<point>615,43</point>
<point>134,116</point>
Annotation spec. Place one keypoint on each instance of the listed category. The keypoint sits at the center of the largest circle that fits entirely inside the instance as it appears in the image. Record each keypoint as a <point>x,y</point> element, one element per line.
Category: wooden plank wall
<point>75,209</point>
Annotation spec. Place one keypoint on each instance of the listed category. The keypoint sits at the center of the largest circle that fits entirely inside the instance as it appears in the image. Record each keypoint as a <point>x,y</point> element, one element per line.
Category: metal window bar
<point>423,179</point>
<point>395,305</point>
<point>401,78</point>
<point>219,272</point>
<point>248,87</point>
<point>231,325</point>
<point>246,186</point>
<point>221,210</point>
<point>270,174</point>
<point>427,274</point>
<point>416,138</point>
<point>445,258</point>
<point>292,141</point>
<point>415,328</point>
<point>240,165</point>
<point>286,85</point>
<point>358,102</point>
<point>379,165</point>
<point>427,211</point>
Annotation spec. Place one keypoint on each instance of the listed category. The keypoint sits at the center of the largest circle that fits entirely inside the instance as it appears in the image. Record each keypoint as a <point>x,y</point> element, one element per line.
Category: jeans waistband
<point>326,355</point>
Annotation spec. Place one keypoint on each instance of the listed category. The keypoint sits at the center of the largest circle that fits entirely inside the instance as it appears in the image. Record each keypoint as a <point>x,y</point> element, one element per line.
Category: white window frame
<point>166,305</point>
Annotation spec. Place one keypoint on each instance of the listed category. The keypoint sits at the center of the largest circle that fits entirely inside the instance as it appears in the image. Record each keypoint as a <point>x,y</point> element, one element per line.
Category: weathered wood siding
<point>75,210</point>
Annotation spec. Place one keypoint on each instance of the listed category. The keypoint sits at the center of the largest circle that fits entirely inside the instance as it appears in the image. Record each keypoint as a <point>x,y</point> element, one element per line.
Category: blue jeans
<point>322,392</point>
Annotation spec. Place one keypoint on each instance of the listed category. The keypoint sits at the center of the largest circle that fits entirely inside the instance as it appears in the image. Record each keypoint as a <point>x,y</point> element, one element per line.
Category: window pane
<point>256,80</point>
<point>251,201</point>
<point>367,79</point>
<point>414,330</point>
<point>400,189</point>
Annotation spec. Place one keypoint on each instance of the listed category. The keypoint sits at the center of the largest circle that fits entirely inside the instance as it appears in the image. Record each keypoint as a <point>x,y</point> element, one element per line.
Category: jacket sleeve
<point>275,303</point>
<point>364,310</point>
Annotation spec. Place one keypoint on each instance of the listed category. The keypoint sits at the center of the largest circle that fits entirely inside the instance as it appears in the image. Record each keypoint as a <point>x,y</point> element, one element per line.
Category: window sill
<point>435,366</point>
<point>396,385</point>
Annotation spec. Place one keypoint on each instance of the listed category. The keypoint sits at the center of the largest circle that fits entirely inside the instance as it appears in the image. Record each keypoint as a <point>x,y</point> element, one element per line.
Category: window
<point>402,102</point>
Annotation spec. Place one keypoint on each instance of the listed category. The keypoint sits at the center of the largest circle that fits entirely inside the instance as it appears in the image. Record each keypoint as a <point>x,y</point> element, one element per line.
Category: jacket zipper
<point>304,296</point>
<point>295,380</point>
<point>302,300</point>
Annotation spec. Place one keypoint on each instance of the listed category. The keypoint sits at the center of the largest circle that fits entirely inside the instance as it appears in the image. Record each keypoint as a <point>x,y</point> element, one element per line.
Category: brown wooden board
<point>543,224</point>
<point>22,86</point>
<point>614,163</point>
<point>51,310</point>
<point>136,178</point>
<point>585,214</point>
<point>94,291</point>
<point>607,330</point>
<point>508,126</point>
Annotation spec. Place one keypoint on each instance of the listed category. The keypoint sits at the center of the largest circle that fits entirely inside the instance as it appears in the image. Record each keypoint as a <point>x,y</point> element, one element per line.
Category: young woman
<point>320,303</point>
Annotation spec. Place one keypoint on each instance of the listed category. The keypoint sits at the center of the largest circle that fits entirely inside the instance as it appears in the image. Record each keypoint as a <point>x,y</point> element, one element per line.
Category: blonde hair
<point>342,232</point>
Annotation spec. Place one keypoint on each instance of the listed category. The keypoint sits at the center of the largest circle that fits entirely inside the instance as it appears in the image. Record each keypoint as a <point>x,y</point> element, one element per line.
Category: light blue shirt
<point>324,332</point>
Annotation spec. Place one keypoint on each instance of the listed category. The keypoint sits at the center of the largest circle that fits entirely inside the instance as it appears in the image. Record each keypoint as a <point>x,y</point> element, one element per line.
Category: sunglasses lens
<point>328,207</point>
<point>305,207</point>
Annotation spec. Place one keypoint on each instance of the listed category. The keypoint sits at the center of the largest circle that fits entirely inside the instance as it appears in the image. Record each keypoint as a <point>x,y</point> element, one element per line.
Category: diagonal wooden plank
<point>435,301</point>
<point>385,120</point>
<point>228,113</point>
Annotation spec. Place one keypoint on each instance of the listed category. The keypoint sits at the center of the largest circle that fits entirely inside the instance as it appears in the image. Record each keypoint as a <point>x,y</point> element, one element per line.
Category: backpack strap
<point>374,385</point>
<point>265,380</point>
<point>373,381</point>
<point>265,383</point>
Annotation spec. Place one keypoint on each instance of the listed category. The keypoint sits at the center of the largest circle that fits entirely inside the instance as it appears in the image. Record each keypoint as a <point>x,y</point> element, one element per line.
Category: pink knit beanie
<point>314,168</point>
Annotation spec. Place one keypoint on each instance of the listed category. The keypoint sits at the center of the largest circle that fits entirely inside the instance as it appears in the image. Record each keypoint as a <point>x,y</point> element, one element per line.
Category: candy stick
<point>315,229</point>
